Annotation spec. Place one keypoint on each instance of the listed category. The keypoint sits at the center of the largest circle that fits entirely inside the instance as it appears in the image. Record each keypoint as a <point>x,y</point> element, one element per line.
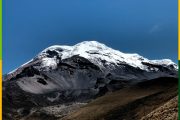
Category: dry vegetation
<point>128,104</point>
<point>169,111</point>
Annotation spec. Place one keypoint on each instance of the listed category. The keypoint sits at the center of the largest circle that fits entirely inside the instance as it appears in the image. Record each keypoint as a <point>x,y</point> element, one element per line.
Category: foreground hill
<point>133,103</point>
<point>168,111</point>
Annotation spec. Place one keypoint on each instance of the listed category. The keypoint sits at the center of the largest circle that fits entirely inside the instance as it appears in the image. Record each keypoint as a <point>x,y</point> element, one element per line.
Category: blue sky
<point>147,27</point>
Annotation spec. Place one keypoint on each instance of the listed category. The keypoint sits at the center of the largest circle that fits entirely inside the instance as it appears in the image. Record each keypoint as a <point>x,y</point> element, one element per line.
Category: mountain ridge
<point>93,51</point>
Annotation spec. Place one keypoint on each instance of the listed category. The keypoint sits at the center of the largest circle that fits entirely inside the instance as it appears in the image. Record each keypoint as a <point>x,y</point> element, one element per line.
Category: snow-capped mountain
<point>96,52</point>
<point>83,65</point>
<point>65,74</point>
<point>69,74</point>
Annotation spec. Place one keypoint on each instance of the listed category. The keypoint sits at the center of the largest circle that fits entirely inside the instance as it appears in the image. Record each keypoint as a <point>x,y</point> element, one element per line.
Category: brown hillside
<point>131,103</point>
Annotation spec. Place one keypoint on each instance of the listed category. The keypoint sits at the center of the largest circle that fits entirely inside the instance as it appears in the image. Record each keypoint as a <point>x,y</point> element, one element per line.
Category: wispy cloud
<point>155,28</point>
